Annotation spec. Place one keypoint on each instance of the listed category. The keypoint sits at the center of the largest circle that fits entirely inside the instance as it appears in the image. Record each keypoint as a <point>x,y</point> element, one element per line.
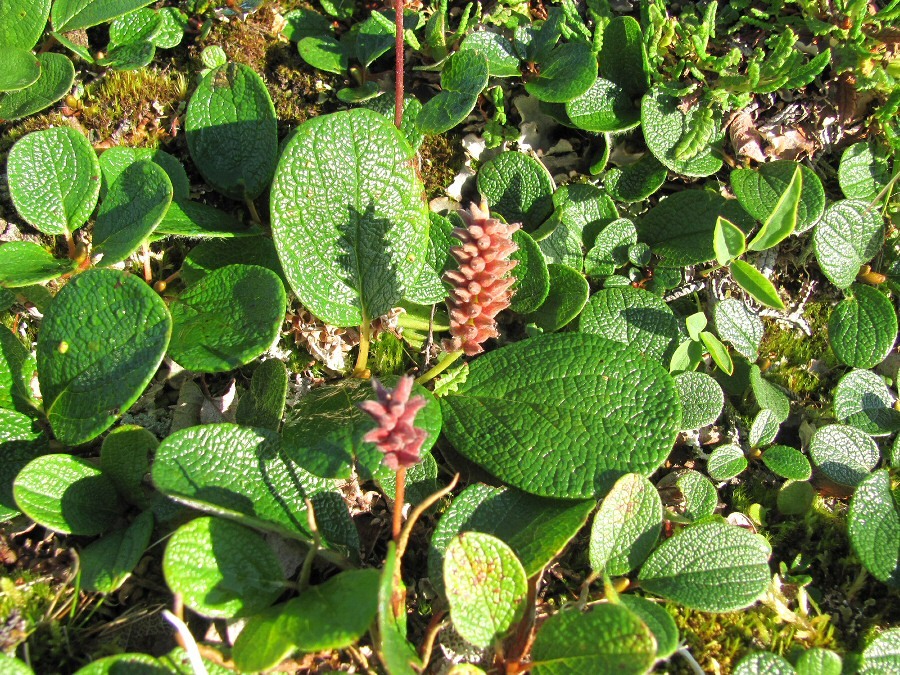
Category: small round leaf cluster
<point>481,285</point>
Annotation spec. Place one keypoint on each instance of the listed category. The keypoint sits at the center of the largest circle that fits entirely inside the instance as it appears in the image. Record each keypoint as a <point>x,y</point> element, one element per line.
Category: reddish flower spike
<point>481,285</point>
<point>395,435</point>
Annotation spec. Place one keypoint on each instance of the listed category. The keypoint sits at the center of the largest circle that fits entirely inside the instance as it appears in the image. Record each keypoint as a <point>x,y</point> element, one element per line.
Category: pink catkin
<point>481,285</point>
<point>395,435</point>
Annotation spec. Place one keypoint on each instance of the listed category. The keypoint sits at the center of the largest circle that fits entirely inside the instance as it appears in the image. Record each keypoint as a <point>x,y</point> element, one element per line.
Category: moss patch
<point>442,158</point>
<point>792,353</point>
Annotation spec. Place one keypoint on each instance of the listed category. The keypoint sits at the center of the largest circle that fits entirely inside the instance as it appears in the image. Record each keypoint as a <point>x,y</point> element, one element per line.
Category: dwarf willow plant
<point>583,359</point>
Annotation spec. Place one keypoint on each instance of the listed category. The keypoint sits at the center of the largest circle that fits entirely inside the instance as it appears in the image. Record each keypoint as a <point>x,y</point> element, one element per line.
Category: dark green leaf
<point>544,414</point>
<point>709,566</point>
<point>517,187</point>
<point>23,263</point>
<point>862,329</point>
<point>108,562</point>
<point>874,527</point>
<point>787,462</point>
<point>566,71</point>
<point>231,131</point>
<point>607,639</point>
<point>845,455</point>
<point>758,191</point>
<point>101,341</point>
<point>134,206</point>
<point>565,300</point>
<point>57,76</point>
<point>69,15</point>
<point>21,440</point>
<point>849,234</point>
<point>263,404</point>
<point>227,319</point>
<point>667,128</point>
<point>66,494</point>
<point>18,68</point>
<point>862,399</point>
<point>222,569</point>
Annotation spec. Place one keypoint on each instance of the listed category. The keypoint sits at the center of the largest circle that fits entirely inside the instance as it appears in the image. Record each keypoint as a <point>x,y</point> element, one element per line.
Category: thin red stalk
<point>399,499</point>
<point>399,5</point>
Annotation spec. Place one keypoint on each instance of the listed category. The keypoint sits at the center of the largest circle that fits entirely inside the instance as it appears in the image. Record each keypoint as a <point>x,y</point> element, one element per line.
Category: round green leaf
<point>216,253</point>
<point>114,161</point>
<point>18,68</point>
<point>222,569</point>
<point>101,341</point>
<point>862,399</point>
<point>623,58</point>
<point>758,191</point>
<point>763,663</point>
<point>486,587</point>
<point>263,404</point>
<point>324,53</point>
<point>610,248</point>
<point>171,31</point>
<point>848,235</point>
<point>74,14</point>
<point>764,428</point>
<point>768,396</point>
<point>844,454</point>
<point>532,276</point>
<point>658,620</point>
<point>883,654</point>
<point>726,462</point>
<point>565,300</point>
<point>795,497</point>
<point>689,493</point>
<point>581,211</point>
<point>242,473</point>
<point>680,228</point>
<point>710,566</point>
<point>462,79</point>
<point>566,71</point>
<point>134,206</point>
<point>57,75</point>
<point>22,22</point>
<point>107,562</point>
<point>535,528</point>
<point>637,181</point>
<point>607,639</point>
<point>213,56</point>
<point>348,217</point>
<point>12,666</point>
<point>863,328</point>
<point>701,399</point>
<point>605,107</point>
<point>324,431</point>
<point>787,462</point>
<point>131,56</point>
<point>332,615</point>
<point>133,664</point>
<point>227,319</point>
<point>196,219</point>
<point>54,179</point>
<point>231,131</point>
<point>301,23</point>
<point>636,317</point>
<point>548,414</point>
<point>818,661</point>
<point>125,460</point>
<point>863,172</point>
<point>874,527</point>
<point>67,494</point>
<point>141,25</point>
<point>741,326</point>
<point>667,129</point>
<point>501,58</point>
<point>23,263</point>
<point>21,440</point>
<point>517,187</point>
<point>626,526</point>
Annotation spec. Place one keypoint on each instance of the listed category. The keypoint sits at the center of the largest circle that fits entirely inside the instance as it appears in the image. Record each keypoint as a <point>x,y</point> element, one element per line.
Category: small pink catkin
<point>395,435</point>
<point>481,285</point>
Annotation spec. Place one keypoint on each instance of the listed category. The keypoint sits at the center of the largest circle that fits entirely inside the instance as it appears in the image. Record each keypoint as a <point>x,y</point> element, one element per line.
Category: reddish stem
<point>399,499</point>
<point>399,5</point>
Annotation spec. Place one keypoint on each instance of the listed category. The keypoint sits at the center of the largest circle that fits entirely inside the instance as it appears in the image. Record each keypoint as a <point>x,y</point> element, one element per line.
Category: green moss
<point>792,352</point>
<point>442,157</point>
<point>719,641</point>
